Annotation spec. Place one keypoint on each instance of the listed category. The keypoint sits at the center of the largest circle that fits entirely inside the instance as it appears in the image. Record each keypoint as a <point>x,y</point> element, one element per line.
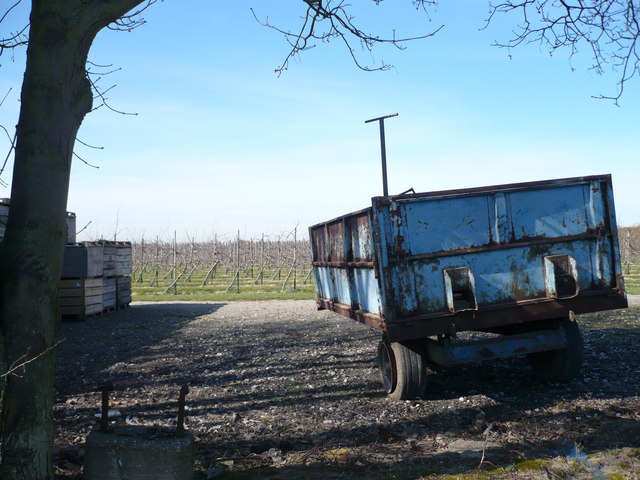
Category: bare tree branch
<point>84,161</point>
<point>5,96</point>
<point>89,146</point>
<point>12,147</point>
<point>23,361</point>
<point>128,22</point>
<point>608,28</point>
<point>325,20</point>
<point>133,19</point>
<point>17,38</point>
<point>101,94</point>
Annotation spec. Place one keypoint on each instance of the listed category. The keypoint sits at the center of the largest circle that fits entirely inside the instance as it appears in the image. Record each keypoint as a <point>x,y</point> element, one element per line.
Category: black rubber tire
<point>402,369</point>
<point>560,365</point>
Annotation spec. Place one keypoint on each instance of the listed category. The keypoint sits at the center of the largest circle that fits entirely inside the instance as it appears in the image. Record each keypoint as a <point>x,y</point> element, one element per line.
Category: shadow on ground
<point>294,393</point>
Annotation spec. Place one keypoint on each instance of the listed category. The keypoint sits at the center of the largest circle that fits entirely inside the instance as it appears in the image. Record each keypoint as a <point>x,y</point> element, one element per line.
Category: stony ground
<point>279,390</point>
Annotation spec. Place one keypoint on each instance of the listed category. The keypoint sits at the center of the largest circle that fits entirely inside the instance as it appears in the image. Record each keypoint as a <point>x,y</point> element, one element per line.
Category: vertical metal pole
<point>383,151</point>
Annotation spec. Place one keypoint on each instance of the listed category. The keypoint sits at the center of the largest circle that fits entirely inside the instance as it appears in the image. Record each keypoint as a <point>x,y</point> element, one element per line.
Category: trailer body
<point>486,259</point>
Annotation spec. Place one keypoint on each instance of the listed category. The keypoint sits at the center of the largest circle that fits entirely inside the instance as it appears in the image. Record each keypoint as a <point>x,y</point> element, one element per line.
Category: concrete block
<point>139,453</point>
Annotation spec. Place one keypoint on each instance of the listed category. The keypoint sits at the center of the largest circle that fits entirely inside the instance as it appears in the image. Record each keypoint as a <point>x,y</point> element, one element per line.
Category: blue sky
<point>220,143</point>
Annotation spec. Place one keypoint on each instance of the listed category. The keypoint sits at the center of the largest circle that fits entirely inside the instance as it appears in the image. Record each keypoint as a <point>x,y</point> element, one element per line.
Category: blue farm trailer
<point>513,261</point>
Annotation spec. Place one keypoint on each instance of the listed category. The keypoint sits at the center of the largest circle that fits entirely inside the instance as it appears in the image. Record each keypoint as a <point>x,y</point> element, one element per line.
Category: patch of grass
<point>631,274</point>
<point>617,476</point>
<point>532,465</point>
<point>221,296</point>
<point>295,389</point>
<point>223,286</point>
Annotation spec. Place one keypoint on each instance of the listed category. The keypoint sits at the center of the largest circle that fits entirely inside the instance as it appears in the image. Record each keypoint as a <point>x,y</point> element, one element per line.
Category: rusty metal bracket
<point>181,408</point>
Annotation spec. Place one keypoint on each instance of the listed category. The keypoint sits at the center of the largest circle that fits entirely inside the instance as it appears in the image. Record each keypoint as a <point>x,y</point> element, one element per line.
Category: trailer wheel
<point>560,365</point>
<point>402,369</point>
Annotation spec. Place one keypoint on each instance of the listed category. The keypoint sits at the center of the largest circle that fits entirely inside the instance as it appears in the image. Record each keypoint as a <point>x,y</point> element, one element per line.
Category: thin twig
<point>84,161</point>
<point>83,228</point>
<point>6,95</point>
<point>16,366</point>
<point>11,149</point>
<point>339,25</point>
<point>87,145</point>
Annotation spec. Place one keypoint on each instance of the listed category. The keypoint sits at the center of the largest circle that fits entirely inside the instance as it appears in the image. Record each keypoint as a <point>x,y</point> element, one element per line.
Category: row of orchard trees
<point>167,262</point>
<point>629,239</point>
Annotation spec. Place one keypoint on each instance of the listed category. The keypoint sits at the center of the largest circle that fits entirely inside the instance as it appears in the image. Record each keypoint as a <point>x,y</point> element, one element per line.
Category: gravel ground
<point>278,389</point>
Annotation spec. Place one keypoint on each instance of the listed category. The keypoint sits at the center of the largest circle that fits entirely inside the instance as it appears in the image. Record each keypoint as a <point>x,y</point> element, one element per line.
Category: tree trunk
<point>55,97</point>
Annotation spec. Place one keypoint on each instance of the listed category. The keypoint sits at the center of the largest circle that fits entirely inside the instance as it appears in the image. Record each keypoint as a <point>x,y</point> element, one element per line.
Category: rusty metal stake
<point>383,151</point>
<point>181,401</point>
<point>104,414</point>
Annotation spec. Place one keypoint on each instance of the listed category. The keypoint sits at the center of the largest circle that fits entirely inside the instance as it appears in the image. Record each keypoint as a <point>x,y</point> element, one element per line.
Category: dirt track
<point>278,384</point>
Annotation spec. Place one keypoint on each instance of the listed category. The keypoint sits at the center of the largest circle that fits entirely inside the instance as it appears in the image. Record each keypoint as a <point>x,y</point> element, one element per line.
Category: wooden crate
<point>80,297</point>
<point>83,260</point>
<point>124,291</point>
<point>116,258</point>
<point>109,294</point>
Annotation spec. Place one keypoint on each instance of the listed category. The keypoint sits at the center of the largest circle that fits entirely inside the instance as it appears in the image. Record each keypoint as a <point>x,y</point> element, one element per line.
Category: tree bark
<point>56,95</point>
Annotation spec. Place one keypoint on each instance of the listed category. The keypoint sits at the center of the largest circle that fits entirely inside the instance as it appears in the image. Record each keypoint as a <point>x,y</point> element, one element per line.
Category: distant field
<point>221,284</point>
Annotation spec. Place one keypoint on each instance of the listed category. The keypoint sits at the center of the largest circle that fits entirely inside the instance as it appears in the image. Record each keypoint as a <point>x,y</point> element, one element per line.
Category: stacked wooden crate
<point>95,278</point>
<point>95,275</point>
<point>80,297</point>
<point>80,290</point>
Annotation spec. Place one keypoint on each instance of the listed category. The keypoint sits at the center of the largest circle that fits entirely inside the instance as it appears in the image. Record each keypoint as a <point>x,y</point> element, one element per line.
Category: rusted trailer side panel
<point>430,263</point>
<point>344,267</point>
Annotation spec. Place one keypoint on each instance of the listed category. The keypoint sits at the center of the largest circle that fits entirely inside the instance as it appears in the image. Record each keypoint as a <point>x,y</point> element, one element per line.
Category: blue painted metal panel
<point>445,224</point>
<point>550,212</point>
<point>366,290</point>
